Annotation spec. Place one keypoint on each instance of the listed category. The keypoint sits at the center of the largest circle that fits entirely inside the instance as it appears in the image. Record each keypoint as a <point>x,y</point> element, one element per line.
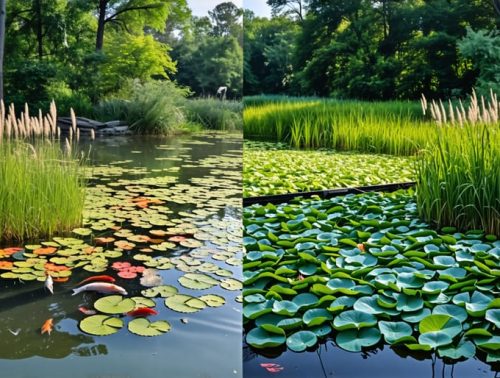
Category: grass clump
<point>459,179</point>
<point>214,114</point>
<point>41,191</point>
<point>149,108</point>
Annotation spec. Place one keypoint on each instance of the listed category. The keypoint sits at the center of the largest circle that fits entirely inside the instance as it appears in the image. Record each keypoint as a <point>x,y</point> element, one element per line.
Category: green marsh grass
<point>459,179</point>
<point>396,128</point>
<point>42,190</point>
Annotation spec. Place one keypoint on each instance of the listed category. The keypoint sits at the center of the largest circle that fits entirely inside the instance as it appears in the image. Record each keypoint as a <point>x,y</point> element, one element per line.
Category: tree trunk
<point>101,23</point>
<point>2,42</point>
<point>39,26</point>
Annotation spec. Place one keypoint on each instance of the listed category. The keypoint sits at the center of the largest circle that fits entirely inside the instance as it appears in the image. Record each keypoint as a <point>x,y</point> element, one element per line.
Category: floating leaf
<point>260,338</point>
<point>101,325</point>
<point>184,303</point>
<point>300,341</point>
<point>114,304</point>
<point>355,340</point>
<point>197,281</point>
<point>143,327</point>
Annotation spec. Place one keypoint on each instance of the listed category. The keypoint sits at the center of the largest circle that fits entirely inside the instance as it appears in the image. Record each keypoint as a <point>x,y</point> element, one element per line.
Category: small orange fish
<point>142,311</point>
<point>48,326</point>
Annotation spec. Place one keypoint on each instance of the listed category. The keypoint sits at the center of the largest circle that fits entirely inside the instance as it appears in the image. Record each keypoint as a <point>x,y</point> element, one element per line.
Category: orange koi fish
<point>142,311</point>
<point>48,326</point>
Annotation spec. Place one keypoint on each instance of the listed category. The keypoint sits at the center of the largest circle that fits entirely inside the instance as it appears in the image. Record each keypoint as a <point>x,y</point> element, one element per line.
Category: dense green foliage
<point>270,169</point>
<point>210,52</point>
<point>53,50</point>
<point>369,49</point>
<point>213,114</point>
<point>41,191</point>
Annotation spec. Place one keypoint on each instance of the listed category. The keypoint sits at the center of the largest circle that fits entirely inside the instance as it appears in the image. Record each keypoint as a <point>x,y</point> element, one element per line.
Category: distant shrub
<point>214,114</point>
<point>154,107</point>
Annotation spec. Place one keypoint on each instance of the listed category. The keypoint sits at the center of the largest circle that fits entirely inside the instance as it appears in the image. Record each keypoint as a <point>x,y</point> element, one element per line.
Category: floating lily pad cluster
<point>139,222</point>
<point>365,270</point>
<point>270,169</point>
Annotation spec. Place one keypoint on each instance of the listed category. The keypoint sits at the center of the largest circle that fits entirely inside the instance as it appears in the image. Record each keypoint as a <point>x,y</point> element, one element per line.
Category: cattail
<point>68,146</point>
<point>452,113</point>
<point>423,102</point>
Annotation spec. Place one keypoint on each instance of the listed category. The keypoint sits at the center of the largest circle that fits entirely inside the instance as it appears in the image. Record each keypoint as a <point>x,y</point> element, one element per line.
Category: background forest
<point>87,54</point>
<point>366,49</point>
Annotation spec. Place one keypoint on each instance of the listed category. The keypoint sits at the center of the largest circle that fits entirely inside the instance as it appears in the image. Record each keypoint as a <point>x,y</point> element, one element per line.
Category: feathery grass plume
<point>423,102</point>
<point>92,134</point>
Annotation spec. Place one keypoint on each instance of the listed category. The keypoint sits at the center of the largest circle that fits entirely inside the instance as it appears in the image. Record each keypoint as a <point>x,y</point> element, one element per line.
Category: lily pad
<point>114,304</point>
<point>301,340</point>
<point>143,327</point>
<point>101,325</point>
<point>184,303</point>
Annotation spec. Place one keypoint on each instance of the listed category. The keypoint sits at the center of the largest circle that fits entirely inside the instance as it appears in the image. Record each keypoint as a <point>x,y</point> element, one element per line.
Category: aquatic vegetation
<point>270,169</point>
<point>459,180</point>
<point>42,191</point>
<point>214,114</point>
<point>394,128</point>
<point>365,270</point>
<point>137,224</point>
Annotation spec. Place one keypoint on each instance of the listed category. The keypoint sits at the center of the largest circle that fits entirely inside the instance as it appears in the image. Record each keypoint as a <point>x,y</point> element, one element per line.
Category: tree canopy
<point>370,49</point>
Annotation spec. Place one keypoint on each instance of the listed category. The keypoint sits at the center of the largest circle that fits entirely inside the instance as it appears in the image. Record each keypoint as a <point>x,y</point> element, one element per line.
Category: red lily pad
<point>127,274</point>
<point>119,265</point>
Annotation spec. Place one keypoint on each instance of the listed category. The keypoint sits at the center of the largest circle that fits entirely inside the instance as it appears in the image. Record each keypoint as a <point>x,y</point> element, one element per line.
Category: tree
<point>226,18</point>
<point>2,42</point>
<point>295,8</point>
<point>129,15</point>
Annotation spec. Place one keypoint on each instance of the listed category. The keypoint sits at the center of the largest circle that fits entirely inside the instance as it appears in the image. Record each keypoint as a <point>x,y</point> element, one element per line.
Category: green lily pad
<point>438,330</point>
<point>197,281</point>
<point>114,304</point>
<point>184,303</point>
<point>301,340</point>
<point>101,325</point>
<point>354,340</point>
<point>353,319</point>
<point>163,291</point>
<point>231,284</point>
<point>260,338</point>
<point>144,327</point>
<point>213,300</point>
<point>395,332</point>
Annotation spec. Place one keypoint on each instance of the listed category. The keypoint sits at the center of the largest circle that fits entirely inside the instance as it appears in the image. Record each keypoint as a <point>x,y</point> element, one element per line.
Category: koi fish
<point>49,283</point>
<point>101,287</point>
<point>142,311</point>
<point>86,311</point>
<point>97,278</point>
<point>48,326</point>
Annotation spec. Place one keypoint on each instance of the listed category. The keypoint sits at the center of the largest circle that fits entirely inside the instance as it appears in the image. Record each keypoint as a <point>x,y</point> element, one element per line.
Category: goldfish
<point>101,287</point>
<point>97,278</point>
<point>49,283</point>
<point>48,326</point>
<point>142,311</point>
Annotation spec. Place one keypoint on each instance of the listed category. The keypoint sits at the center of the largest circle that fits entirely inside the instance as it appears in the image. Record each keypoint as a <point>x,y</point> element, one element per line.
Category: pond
<point>163,218</point>
<point>360,286</point>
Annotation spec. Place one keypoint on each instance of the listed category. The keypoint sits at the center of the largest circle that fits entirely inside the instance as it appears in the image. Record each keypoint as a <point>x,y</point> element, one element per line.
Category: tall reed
<point>42,188</point>
<point>459,179</point>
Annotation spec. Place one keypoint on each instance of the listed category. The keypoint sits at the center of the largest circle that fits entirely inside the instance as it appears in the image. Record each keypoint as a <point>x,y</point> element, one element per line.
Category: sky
<point>201,7</point>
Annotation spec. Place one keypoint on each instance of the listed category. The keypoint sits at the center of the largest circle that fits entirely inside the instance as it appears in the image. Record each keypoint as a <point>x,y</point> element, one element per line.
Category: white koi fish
<point>101,287</point>
<point>49,283</point>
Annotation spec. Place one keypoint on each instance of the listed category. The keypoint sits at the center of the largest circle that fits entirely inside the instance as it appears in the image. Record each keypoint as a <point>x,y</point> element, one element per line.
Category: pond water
<point>188,189</point>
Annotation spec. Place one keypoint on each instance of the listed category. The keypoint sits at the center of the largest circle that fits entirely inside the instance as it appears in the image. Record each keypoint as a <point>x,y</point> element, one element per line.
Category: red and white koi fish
<point>101,287</point>
<point>97,278</point>
<point>142,311</point>
<point>86,310</point>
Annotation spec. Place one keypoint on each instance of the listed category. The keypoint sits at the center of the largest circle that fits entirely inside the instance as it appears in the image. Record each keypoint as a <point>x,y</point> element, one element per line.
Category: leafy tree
<point>226,19</point>
<point>483,49</point>
<point>295,8</point>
